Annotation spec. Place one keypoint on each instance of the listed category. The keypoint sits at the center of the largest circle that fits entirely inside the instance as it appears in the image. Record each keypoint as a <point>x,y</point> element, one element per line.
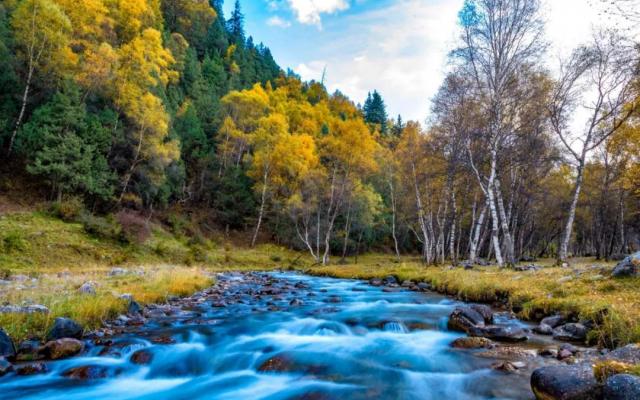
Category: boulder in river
<point>572,332</point>
<point>28,351</point>
<point>141,357</point>
<point>502,333</point>
<point>61,348</point>
<point>7,348</point>
<point>65,328</point>
<point>622,387</point>
<point>465,319</point>
<point>575,382</point>
<point>31,369</point>
<point>5,367</point>
<point>88,372</point>
<point>629,267</point>
<point>134,308</point>
<point>485,311</point>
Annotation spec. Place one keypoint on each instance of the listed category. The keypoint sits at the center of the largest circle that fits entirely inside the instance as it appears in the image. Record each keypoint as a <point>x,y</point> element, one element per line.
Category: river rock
<point>88,288</point>
<point>5,367</point>
<point>502,333</point>
<point>622,387</point>
<point>390,280</point>
<point>296,302</point>
<point>508,366</point>
<point>89,372</point>
<point>509,353</point>
<point>28,351</point>
<point>7,348</point>
<point>629,354</point>
<point>134,308</point>
<point>31,369</point>
<point>61,348</point>
<point>575,382</point>
<point>465,319</point>
<point>375,282</point>
<point>142,357</point>
<point>573,332</point>
<point>473,342</point>
<point>65,328</point>
<point>485,311</point>
<point>628,267</point>
<point>543,329</point>
<point>554,321</point>
<point>424,286</point>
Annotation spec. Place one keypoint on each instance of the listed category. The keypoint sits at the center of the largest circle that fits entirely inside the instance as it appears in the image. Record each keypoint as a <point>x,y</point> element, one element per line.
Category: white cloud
<point>278,22</point>
<point>309,11</point>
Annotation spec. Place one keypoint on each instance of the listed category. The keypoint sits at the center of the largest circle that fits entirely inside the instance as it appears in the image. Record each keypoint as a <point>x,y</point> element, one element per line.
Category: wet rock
<point>502,333</point>
<point>407,284</point>
<point>334,299</point>
<point>509,353</point>
<point>553,353</point>
<point>628,267</point>
<point>279,363</point>
<point>162,340</point>
<point>573,332</point>
<point>28,351</point>
<point>7,348</point>
<point>472,343</point>
<point>424,286</point>
<point>375,282</point>
<point>88,288</point>
<point>554,321</point>
<point>485,311</point>
<point>296,303</point>
<point>65,328</point>
<point>543,329</point>
<point>5,367</point>
<point>31,369</point>
<point>465,319</point>
<point>89,372</point>
<point>622,387</point>
<point>508,366</point>
<point>575,382</point>
<point>61,348</point>
<point>564,354</point>
<point>629,354</point>
<point>390,280</point>
<point>141,357</point>
<point>134,308</point>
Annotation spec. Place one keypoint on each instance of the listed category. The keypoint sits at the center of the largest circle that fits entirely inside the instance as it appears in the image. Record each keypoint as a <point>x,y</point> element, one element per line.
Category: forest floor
<point>45,261</point>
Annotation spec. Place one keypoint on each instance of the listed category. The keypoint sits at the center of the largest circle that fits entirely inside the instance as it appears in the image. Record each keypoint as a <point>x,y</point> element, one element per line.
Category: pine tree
<point>398,126</point>
<point>375,112</point>
<point>235,25</point>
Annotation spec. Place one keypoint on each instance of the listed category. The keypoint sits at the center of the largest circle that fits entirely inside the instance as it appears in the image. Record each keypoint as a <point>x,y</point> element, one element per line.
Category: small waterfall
<point>395,327</point>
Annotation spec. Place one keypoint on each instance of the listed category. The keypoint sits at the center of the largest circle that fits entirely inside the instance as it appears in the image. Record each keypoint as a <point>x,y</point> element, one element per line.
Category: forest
<point>147,109</point>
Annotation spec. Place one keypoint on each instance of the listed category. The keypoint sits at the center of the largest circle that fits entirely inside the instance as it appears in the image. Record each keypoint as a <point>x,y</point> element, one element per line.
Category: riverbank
<point>585,291</point>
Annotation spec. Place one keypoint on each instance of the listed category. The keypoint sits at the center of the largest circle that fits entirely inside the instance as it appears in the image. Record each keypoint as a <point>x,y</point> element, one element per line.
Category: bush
<point>14,241</point>
<point>134,227</point>
<point>103,228</point>
<point>68,210</point>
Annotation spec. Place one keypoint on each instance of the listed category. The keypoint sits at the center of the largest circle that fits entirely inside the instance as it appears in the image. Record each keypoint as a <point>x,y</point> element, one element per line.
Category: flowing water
<point>347,340</point>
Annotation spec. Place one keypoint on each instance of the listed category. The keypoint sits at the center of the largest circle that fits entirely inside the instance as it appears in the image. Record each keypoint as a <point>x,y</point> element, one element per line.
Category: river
<point>286,336</point>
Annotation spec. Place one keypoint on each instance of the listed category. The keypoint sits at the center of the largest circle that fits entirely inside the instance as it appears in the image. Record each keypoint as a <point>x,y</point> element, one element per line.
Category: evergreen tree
<point>67,146</point>
<point>375,111</point>
<point>235,26</point>
<point>398,126</point>
<point>8,79</point>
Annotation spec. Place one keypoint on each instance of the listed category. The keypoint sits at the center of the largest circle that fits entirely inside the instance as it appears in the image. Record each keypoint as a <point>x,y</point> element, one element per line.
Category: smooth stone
<point>65,328</point>
<point>141,357</point>
<point>465,319</point>
<point>7,347</point>
<point>574,332</point>
<point>575,382</point>
<point>554,321</point>
<point>472,343</point>
<point>61,348</point>
<point>502,333</point>
<point>622,387</point>
<point>89,372</point>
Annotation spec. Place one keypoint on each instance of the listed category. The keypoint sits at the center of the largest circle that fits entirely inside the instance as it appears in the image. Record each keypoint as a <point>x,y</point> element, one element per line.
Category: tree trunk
<point>508,240</point>
<point>566,236</point>
<point>492,207</point>
<point>393,219</point>
<point>263,198</point>
<point>473,252</point>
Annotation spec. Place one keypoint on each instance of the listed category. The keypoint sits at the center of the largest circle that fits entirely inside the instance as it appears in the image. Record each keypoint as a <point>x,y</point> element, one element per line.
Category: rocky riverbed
<point>290,336</point>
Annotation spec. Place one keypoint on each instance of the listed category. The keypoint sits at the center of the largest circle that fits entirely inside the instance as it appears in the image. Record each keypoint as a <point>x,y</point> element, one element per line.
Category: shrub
<point>69,209</point>
<point>103,228</point>
<point>605,369</point>
<point>134,228</point>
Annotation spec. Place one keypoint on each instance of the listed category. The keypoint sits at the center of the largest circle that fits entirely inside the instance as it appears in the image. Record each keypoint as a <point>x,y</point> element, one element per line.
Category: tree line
<point>161,106</point>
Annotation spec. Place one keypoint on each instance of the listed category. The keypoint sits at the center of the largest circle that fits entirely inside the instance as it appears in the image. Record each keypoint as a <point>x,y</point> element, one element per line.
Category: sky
<point>398,47</point>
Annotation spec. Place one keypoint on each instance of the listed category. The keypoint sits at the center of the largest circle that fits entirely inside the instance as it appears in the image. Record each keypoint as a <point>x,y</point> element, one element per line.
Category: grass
<point>604,369</point>
<point>584,291</point>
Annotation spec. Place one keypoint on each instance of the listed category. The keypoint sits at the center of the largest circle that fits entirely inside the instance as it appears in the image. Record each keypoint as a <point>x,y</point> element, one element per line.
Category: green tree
<point>375,112</point>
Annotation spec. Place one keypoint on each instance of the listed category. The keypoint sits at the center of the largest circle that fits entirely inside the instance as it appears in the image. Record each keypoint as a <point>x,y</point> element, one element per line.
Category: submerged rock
<point>65,328</point>
<point>622,387</point>
<point>88,372</point>
<point>629,267</point>
<point>575,382</point>
<point>7,348</point>
<point>142,357</point>
<point>28,351</point>
<point>31,369</point>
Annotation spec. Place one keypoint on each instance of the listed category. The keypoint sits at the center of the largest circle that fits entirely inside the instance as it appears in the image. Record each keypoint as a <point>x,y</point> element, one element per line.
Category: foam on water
<point>366,345</point>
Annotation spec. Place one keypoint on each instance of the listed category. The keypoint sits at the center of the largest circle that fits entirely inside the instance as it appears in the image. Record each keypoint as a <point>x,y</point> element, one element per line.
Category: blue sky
<point>398,47</point>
